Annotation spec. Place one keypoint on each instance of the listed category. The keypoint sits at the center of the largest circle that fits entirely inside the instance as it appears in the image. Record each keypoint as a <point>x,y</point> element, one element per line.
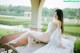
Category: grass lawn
<point>4,32</point>
<point>72,30</point>
<point>14,20</point>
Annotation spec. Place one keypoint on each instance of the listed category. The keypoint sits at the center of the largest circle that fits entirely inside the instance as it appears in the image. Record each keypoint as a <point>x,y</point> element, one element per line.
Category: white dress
<point>52,46</point>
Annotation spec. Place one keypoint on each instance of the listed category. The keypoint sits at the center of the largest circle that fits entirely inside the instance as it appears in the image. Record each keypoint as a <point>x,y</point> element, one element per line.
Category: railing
<point>10,47</point>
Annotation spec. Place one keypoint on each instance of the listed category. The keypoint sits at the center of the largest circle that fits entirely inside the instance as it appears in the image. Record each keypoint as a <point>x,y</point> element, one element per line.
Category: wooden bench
<point>10,37</point>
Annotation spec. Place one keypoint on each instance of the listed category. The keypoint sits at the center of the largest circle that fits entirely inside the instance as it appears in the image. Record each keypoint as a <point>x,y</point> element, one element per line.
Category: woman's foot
<point>12,42</point>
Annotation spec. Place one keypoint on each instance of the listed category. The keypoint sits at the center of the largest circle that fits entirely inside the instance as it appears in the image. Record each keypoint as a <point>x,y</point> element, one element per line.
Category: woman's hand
<point>61,46</point>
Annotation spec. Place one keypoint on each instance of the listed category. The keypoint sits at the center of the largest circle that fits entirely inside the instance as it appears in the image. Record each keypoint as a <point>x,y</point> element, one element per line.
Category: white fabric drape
<point>52,46</point>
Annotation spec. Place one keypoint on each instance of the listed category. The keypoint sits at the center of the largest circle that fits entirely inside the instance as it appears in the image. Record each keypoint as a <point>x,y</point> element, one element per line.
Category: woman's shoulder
<point>57,23</point>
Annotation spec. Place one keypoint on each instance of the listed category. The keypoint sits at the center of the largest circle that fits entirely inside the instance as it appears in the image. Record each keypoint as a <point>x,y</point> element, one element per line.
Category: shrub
<point>44,29</point>
<point>77,46</point>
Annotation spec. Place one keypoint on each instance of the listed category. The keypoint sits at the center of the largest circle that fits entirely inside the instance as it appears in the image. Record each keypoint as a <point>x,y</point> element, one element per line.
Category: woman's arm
<point>60,40</point>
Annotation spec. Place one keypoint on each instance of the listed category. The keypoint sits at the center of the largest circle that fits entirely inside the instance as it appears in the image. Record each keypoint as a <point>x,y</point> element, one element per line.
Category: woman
<point>57,44</point>
<point>38,35</point>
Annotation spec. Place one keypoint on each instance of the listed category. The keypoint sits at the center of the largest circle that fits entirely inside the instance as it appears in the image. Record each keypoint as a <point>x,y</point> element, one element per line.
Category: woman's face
<point>55,16</point>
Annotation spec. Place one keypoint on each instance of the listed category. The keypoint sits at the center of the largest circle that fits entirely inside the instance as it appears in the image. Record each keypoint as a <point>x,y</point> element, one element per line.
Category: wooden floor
<point>29,49</point>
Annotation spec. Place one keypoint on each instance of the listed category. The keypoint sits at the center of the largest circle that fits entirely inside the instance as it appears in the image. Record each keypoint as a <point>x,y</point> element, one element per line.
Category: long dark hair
<point>59,13</point>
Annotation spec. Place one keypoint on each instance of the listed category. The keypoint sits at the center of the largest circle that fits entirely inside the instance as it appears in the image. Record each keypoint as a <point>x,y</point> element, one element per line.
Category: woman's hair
<point>59,13</point>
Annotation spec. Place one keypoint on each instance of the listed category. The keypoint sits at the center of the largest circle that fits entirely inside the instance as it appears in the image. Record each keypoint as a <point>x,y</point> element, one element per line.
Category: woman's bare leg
<point>30,40</point>
<point>30,35</point>
<point>19,38</point>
